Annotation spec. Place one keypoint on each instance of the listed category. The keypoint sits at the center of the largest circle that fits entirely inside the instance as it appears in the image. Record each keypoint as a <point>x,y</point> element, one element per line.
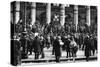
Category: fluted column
<point>62,14</point>
<point>33,15</point>
<point>17,12</point>
<point>48,13</point>
<point>88,16</point>
<point>76,16</point>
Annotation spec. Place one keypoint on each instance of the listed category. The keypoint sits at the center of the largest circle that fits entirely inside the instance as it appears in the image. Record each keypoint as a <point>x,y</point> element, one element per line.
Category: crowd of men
<point>27,44</point>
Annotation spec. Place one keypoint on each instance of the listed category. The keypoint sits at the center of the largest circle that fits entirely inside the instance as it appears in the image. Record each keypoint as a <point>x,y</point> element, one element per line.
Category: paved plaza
<point>49,57</point>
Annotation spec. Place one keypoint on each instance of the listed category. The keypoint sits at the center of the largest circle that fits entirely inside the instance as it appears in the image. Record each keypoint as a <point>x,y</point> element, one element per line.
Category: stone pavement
<point>51,58</point>
<point>62,62</point>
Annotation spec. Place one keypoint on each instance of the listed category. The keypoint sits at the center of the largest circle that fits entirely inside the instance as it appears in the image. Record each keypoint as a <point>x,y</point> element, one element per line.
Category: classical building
<point>73,18</point>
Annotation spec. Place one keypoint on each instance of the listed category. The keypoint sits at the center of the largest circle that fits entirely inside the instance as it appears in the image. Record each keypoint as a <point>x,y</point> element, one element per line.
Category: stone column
<point>48,13</point>
<point>62,14</point>
<point>76,16</point>
<point>88,16</point>
<point>17,12</point>
<point>33,15</point>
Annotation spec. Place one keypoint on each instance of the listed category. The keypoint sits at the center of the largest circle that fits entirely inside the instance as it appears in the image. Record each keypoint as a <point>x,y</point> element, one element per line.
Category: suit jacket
<point>36,45</point>
<point>57,48</point>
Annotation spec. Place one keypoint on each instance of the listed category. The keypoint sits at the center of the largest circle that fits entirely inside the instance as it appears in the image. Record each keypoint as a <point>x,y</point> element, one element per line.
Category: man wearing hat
<point>67,47</point>
<point>36,46</point>
<point>86,46</point>
<point>57,50</point>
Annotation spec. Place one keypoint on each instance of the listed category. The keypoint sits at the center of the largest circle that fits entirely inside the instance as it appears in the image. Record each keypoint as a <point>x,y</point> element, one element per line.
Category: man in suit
<point>53,45</point>
<point>87,45</point>
<point>67,47</point>
<point>36,46</point>
<point>57,49</point>
<point>42,46</point>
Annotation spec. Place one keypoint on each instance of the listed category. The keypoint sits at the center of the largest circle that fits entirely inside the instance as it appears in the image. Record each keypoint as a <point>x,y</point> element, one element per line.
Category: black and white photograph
<point>48,33</point>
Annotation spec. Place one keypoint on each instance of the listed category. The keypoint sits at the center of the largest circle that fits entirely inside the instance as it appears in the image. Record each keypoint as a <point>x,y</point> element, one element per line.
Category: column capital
<point>62,7</point>
<point>17,7</point>
<point>88,8</point>
<point>33,5</point>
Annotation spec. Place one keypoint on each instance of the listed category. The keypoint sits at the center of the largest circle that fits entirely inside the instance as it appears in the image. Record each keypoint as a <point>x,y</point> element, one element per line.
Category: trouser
<point>87,58</point>
<point>80,46</point>
<point>57,58</point>
<point>42,53</point>
<point>53,51</point>
<point>87,54</point>
<point>93,52</point>
<point>68,54</point>
<point>36,55</point>
<point>30,50</point>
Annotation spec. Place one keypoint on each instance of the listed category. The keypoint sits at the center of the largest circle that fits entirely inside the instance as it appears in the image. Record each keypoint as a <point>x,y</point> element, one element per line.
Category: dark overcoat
<point>66,43</point>
<point>87,46</point>
<point>36,45</point>
<point>57,48</point>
